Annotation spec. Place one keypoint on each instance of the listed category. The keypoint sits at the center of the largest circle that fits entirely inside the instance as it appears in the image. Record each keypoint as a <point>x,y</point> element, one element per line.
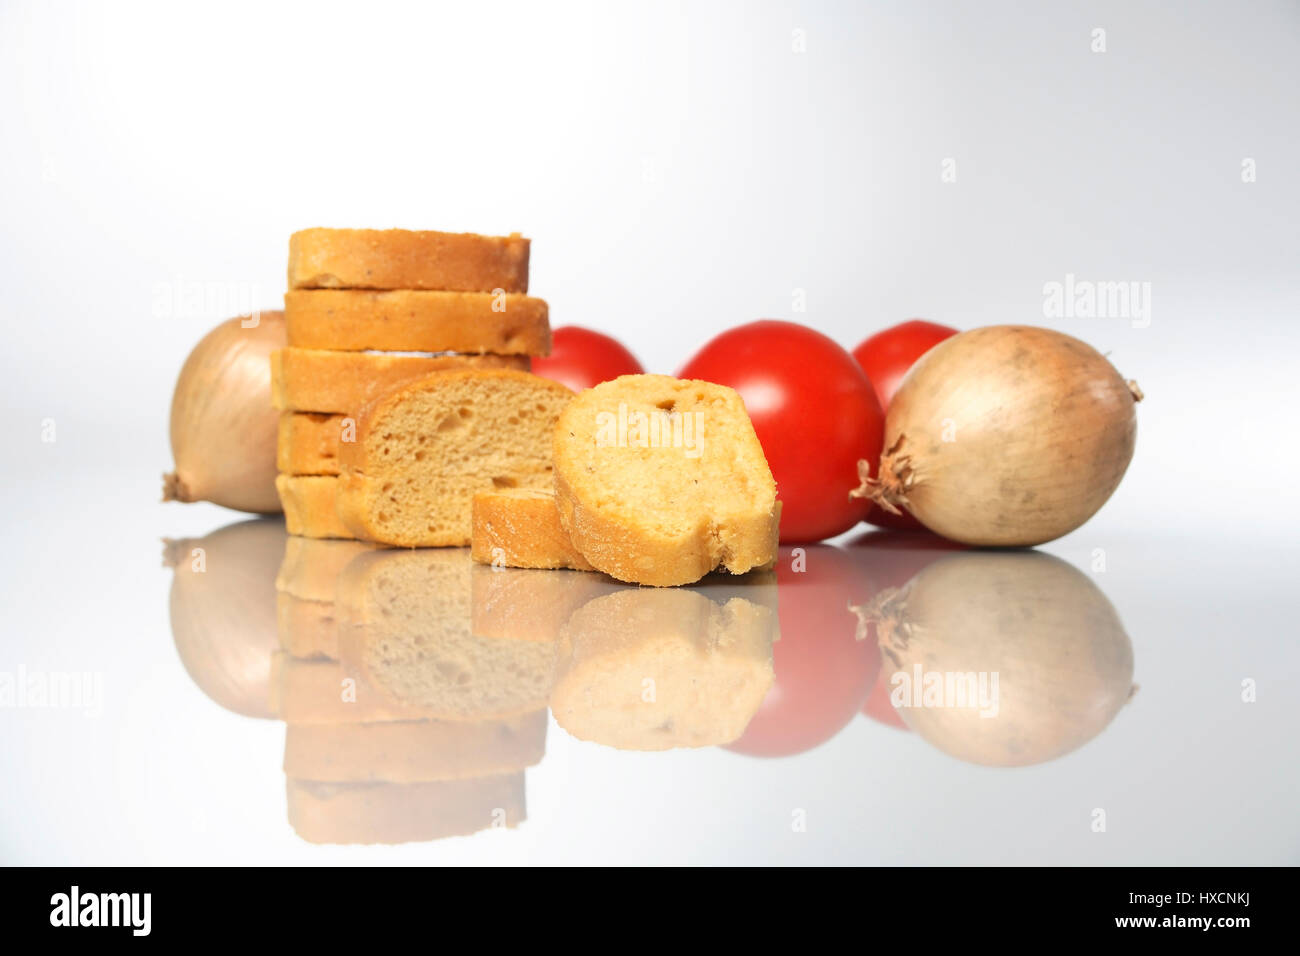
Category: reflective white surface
<point>1186,772</point>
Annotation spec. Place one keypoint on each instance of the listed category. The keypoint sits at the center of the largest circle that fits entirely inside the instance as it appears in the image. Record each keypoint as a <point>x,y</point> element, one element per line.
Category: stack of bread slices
<point>369,311</point>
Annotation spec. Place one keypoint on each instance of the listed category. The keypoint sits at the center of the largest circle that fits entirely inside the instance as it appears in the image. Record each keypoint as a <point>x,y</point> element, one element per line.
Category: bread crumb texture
<point>660,480</point>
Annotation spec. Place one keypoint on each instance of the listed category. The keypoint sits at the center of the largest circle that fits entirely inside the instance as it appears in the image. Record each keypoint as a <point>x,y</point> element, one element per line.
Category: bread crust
<point>405,259</point>
<point>520,528</point>
<point>310,505</point>
<point>320,380</point>
<point>421,321</point>
<point>617,541</point>
<point>357,488</point>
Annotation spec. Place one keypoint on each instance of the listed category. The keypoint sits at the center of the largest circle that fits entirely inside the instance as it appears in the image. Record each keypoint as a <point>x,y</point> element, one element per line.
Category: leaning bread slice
<point>411,320</point>
<point>520,528</point>
<point>647,669</point>
<point>427,447</point>
<point>319,380</point>
<point>405,259</point>
<point>660,481</point>
<point>309,503</point>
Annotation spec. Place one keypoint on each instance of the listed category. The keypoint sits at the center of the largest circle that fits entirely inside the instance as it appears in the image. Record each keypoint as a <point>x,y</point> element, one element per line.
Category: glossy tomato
<point>824,668</point>
<point>886,358</point>
<point>581,358</point>
<point>815,413</point>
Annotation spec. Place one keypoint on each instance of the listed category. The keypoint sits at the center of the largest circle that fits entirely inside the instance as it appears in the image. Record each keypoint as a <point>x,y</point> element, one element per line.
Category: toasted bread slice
<point>405,259</point>
<point>308,443</point>
<point>528,604</point>
<point>647,669</point>
<point>413,751</point>
<point>409,320</point>
<point>366,813</point>
<point>309,503</point>
<point>520,528</point>
<point>660,481</point>
<point>317,380</point>
<point>427,447</point>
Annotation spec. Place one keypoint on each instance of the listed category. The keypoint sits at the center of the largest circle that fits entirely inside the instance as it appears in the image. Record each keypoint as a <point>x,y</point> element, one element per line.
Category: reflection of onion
<point>1064,663</point>
<point>223,618</point>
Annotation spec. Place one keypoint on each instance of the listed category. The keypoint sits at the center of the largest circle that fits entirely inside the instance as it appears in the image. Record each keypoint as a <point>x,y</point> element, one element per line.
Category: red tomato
<point>581,358</point>
<point>886,358</point>
<point>815,413</point>
<point>823,672</point>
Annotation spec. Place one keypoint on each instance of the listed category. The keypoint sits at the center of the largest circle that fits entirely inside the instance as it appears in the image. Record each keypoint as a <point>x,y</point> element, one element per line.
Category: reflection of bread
<point>403,813</point>
<point>317,380</point>
<point>660,480</point>
<point>530,605</point>
<point>405,629</point>
<point>413,751</point>
<point>309,503</point>
<point>417,321</point>
<point>656,669</point>
<point>426,448</point>
<point>310,567</point>
<point>307,629</point>
<point>406,259</point>
<point>520,528</point>
<point>322,692</point>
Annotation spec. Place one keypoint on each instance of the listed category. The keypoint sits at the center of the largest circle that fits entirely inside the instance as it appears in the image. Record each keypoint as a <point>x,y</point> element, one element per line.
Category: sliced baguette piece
<point>415,751</point>
<point>392,813</point>
<point>426,448</point>
<point>406,259</point>
<point>310,505</point>
<point>308,442</point>
<point>520,528</point>
<point>405,629</point>
<point>660,481</point>
<point>650,669</point>
<point>318,380</point>
<point>410,320</point>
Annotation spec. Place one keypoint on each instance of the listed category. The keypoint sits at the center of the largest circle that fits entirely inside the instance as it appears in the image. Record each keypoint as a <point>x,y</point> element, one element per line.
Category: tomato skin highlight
<point>886,357</point>
<point>815,413</point>
<point>581,358</point>
<point>824,673</point>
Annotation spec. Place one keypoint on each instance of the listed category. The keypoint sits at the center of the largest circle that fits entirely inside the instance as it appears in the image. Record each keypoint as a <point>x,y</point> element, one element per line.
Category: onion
<point>224,616</point>
<point>1006,435</point>
<point>223,428</point>
<point>1063,662</point>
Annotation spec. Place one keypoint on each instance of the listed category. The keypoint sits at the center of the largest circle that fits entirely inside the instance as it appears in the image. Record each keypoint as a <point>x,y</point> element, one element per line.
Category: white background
<point>680,169</point>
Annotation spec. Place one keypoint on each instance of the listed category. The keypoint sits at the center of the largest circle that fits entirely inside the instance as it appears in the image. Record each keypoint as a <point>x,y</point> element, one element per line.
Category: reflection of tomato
<point>886,357</point>
<point>823,673</point>
<point>815,414</point>
<point>889,559</point>
<point>581,358</point>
